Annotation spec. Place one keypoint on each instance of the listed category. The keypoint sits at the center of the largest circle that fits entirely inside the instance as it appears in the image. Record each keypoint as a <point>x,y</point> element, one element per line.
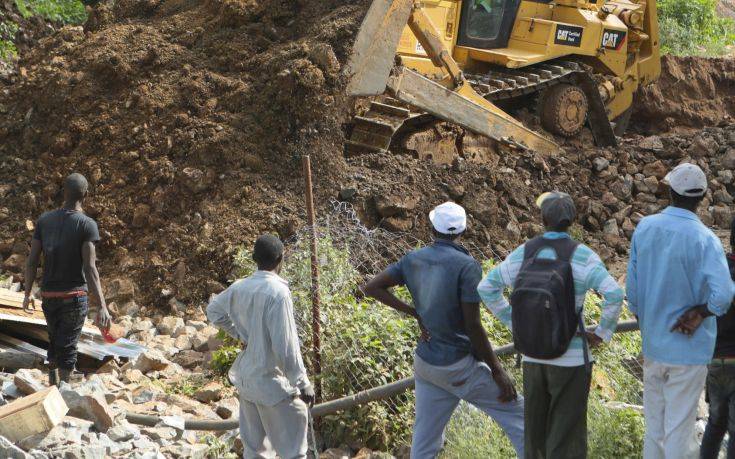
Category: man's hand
<point>28,304</point>
<point>308,396</point>
<point>425,335</point>
<point>593,340</point>
<point>505,384</point>
<point>689,322</point>
<point>103,319</point>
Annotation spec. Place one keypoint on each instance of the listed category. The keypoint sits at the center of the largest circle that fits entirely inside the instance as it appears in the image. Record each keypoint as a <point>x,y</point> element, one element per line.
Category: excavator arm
<point>451,99</point>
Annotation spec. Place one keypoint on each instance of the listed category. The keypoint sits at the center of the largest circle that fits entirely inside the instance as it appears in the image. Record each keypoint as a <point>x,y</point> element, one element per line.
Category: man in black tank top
<point>66,237</point>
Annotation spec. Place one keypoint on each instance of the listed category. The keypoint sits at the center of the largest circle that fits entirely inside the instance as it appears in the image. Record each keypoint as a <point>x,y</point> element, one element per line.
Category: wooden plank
<point>14,360</point>
<point>11,299</point>
<point>34,414</point>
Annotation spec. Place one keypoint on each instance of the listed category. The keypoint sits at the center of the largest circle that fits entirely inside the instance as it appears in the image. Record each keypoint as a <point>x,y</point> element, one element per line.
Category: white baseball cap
<point>687,180</point>
<point>449,218</point>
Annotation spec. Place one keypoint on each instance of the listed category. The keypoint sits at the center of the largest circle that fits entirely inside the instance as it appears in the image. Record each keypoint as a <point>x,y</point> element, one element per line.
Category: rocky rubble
<point>166,381</point>
<point>155,383</point>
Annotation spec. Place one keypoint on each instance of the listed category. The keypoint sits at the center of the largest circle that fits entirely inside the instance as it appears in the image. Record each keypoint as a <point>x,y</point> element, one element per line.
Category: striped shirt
<point>589,274</point>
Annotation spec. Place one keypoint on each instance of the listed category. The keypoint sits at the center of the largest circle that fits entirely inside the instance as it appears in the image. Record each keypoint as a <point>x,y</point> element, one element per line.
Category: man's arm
<point>89,263</point>
<point>631,279</point>
<point>218,312</point>
<point>720,286</point>
<point>483,350</point>
<point>378,287</point>
<point>600,280</point>
<point>492,287</point>
<point>34,258</point>
<point>285,341</point>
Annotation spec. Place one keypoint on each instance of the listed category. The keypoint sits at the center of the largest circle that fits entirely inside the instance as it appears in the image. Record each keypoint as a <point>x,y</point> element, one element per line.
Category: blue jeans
<point>439,391</point>
<point>65,319</point>
<point>721,396</point>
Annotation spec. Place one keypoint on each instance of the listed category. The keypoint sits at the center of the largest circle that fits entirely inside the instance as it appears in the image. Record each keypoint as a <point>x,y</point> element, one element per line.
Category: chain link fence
<point>365,345</point>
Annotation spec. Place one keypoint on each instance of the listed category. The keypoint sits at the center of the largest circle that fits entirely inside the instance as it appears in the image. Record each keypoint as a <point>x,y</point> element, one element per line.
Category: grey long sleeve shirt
<point>259,311</point>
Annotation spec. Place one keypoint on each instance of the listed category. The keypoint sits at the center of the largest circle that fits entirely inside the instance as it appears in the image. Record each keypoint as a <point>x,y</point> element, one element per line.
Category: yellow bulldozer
<point>575,62</point>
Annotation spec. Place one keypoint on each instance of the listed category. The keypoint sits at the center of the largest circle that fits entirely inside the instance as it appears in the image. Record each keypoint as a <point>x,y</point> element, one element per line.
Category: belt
<point>723,361</point>
<point>64,295</point>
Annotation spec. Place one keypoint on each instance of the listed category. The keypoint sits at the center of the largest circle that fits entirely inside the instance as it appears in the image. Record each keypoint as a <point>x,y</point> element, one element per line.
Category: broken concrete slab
<point>10,451</point>
<point>90,406</point>
<point>28,381</point>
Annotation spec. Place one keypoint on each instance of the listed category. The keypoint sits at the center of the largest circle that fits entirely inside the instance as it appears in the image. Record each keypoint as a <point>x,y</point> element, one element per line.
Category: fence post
<point>315,297</point>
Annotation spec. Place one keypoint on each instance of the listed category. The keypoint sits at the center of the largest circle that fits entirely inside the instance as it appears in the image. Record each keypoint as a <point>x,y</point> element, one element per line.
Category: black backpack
<point>545,317</point>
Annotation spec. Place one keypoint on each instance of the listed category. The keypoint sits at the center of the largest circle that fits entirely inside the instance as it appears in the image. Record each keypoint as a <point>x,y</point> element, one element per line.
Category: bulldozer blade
<point>466,108</point>
<point>375,47</point>
<point>597,119</point>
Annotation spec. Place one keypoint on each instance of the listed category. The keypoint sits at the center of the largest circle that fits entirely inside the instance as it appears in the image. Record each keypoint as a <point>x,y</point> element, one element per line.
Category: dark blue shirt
<point>440,277</point>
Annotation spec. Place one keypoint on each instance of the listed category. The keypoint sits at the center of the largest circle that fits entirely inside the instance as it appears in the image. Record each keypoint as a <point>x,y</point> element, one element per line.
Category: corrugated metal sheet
<point>19,324</point>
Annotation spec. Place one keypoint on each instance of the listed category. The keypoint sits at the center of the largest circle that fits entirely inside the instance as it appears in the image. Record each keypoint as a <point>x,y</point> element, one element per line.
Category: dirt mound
<point>691,93</point>
<point>190,118</point>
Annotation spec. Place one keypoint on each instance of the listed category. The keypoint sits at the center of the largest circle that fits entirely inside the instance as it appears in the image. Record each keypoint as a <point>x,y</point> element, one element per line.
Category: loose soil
<point>190,119</point>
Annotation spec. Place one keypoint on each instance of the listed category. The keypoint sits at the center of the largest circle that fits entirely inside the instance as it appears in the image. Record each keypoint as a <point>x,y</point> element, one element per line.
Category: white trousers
<point>281,429</point>
<point>439,391</point>
<point>670,399</point>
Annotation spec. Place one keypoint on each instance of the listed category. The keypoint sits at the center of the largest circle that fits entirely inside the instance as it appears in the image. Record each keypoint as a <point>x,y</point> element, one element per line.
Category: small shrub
<point>223,358</point>
<point>614,432</point>
<point>693,28</point>
<point>63,11</point>
<point>8,51</point>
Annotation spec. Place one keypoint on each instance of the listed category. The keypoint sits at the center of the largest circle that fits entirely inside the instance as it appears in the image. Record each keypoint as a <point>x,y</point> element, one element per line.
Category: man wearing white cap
<point>678,280</point>
<point>454,360</point>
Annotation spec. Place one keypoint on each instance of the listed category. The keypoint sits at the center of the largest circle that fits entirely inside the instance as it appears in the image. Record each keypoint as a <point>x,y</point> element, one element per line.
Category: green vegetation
<point>217,448</point>
<point>7,36</point>
<point>59,11</point>
<point>693,27</point>
<point>186,386</point>
<point>63,11</point>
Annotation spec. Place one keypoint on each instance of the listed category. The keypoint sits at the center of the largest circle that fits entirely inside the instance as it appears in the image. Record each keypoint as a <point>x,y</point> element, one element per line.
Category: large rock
<point>123,432</point>
<point>227,407</point>
<point>28,381</point>
<point>90,406</point>
<point>211,392</point>
<point>703,146</point>
<point>170,325</point>
<point>728,160</point>
<point>120,290</point>
<point>10,451</point>
<point>151,360</point>
<point>390,206</point>
<point>656,168</point>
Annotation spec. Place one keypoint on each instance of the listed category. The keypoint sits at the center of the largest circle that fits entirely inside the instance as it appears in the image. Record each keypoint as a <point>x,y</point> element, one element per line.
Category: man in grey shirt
<point>269,374</point>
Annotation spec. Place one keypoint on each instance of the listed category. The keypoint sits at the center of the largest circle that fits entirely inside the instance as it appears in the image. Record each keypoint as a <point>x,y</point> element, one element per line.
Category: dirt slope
<point>189,119</point>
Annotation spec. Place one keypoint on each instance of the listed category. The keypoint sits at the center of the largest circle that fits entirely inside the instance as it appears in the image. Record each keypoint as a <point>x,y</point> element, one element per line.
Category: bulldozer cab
<point>487,24</point>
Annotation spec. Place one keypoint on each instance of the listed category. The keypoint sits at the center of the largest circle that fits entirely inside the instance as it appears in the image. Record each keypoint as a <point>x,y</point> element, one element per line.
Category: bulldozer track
<point>374,131</point>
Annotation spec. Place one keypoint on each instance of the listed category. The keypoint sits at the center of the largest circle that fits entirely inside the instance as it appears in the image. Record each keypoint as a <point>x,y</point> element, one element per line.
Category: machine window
<point>485,19</point>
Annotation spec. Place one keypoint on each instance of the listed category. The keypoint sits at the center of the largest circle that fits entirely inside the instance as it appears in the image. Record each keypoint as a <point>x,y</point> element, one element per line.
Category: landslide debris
<point>190,119</point>
<point>691,93</point>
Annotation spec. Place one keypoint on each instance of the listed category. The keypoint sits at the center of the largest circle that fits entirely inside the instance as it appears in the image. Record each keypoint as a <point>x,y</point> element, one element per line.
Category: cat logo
<point>568,35</point>
<point>613,39</point>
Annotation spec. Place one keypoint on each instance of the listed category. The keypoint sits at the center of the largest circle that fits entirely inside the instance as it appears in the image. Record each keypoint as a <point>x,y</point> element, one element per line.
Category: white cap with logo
<point>687,180</point>
<point>449,218</point>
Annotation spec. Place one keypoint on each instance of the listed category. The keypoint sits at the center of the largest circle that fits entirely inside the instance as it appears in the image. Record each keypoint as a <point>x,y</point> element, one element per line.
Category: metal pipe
<point>315,296</point>
<point>344,403</point>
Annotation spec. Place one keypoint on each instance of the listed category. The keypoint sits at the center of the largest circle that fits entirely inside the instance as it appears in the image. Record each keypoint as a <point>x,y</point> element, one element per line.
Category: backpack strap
<point>563,247</point>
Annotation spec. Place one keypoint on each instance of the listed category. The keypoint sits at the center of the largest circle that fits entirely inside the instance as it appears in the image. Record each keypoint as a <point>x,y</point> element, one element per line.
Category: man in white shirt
<point>269,373</point>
